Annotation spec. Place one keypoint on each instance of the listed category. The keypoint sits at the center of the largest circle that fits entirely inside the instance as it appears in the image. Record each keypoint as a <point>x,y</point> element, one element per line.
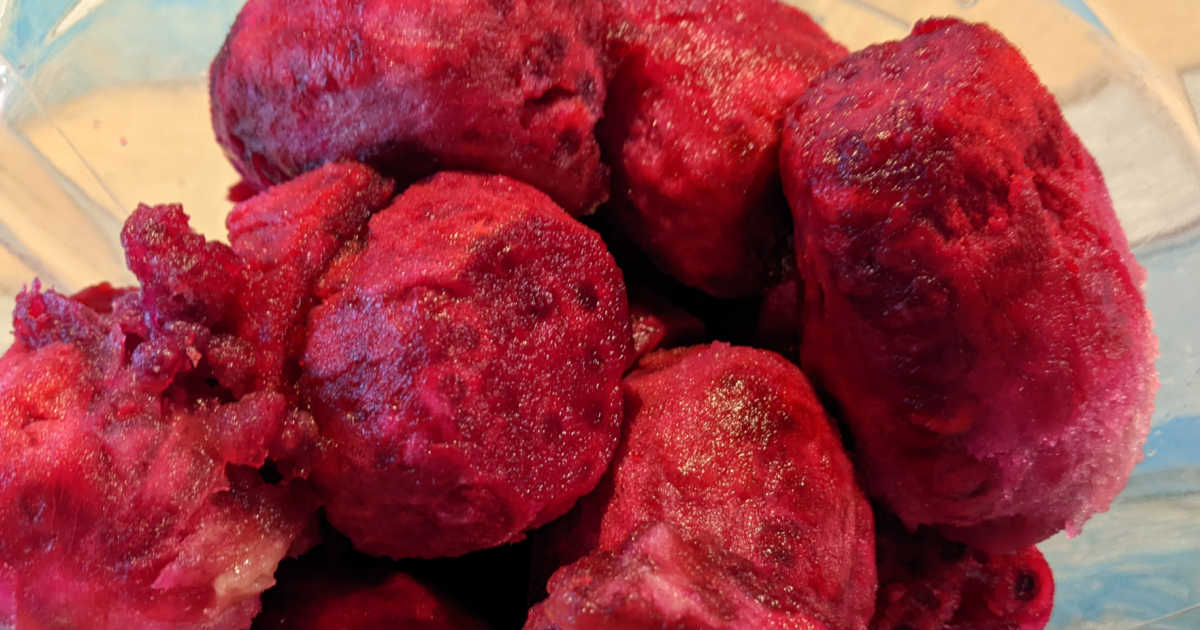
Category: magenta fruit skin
<point>412,87</point>
<point>970,299</point>
<point>465,369</point>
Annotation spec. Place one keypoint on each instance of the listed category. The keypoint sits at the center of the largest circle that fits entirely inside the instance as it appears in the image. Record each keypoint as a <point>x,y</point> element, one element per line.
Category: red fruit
<point>466,375</point>
<point>692,127</point>
<point>970,299</point>
<point>929,583</point>
<point>240,192</point>
<point>100,297</point>
<point>658,580</point>
<point>128,491</point>
<point>341,600</point>
<point>657,323</point>
<point>728,449</point>
<point>778,325</point>
<point>287,237</point>
<point>183,276</point>
<point>412,87</point>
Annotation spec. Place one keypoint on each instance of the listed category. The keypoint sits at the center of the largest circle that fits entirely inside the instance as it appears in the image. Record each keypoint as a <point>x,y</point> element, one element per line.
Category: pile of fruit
<point>624,314</point>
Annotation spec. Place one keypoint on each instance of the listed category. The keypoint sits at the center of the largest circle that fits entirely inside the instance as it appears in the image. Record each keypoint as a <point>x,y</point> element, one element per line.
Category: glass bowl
<point>103,104</point>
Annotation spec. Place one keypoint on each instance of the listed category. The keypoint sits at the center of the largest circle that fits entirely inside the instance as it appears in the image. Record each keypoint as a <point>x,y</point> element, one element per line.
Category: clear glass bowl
<point>103,105</point>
